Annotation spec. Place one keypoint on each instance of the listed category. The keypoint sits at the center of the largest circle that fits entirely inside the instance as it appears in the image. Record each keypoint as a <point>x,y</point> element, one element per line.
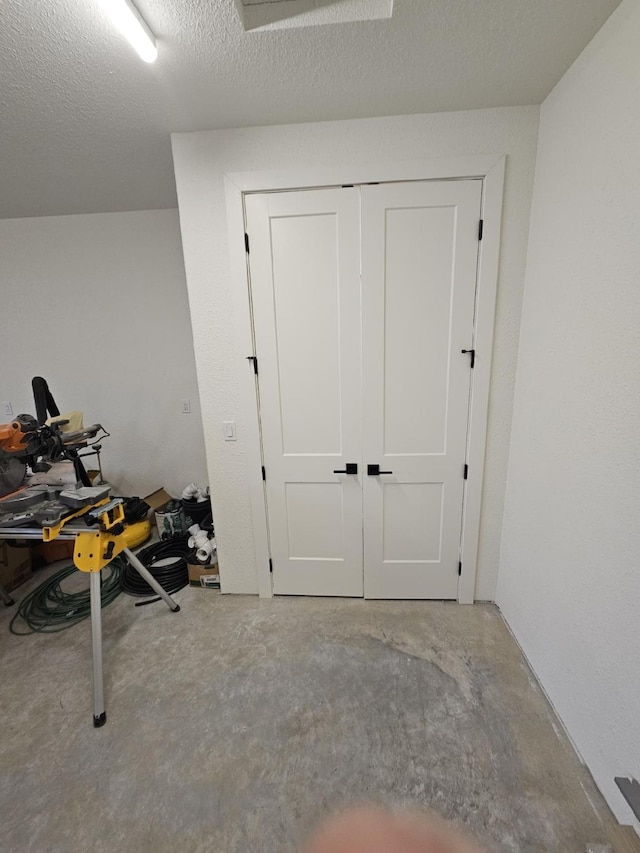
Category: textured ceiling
<point>84,124</point>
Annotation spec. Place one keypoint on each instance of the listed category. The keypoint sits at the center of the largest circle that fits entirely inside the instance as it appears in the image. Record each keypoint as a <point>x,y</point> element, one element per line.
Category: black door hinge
<point>254,359</point>
<point>270,565</point>
<point>246,242</point>
<point>466,470</point>
<point>630,790</point>
<point>459,568</point>
<point>480,230</point>
<point>472,353</point>
<point>264,473</point>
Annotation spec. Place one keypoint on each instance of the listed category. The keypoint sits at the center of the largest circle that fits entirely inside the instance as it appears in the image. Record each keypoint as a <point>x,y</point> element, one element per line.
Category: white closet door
<point>419,258</point>
<point>305,283</point>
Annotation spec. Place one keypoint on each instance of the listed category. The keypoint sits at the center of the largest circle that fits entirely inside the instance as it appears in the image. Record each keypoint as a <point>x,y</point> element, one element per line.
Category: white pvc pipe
<point>198,540</point>
<point>204,553</point>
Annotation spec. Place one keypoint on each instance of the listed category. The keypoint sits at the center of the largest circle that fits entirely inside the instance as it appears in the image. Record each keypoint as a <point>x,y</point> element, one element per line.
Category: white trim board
<point>491,170</point>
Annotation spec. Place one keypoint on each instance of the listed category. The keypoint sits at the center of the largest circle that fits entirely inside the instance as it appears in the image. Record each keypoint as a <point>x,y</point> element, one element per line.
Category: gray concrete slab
<point>239,724</point>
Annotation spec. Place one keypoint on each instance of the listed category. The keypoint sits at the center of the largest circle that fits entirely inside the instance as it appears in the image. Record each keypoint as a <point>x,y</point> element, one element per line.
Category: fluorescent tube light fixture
<point>133,27</point>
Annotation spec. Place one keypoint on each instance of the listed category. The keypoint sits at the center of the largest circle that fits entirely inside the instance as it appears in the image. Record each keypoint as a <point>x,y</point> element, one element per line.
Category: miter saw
<point>25,442</point>
<point>86,514</point>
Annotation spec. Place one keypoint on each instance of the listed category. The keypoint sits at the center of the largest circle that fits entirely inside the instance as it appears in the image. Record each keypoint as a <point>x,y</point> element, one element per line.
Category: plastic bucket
<point>170,523</point>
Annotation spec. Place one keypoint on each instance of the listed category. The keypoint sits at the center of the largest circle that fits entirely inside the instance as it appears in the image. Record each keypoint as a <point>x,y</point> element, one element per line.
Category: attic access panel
<point>289,14</point>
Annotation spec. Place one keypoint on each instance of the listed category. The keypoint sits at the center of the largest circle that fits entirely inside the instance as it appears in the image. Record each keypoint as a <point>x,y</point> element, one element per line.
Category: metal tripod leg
<point>4,595</point>
<point>153,583</point>
<point>99,714</point>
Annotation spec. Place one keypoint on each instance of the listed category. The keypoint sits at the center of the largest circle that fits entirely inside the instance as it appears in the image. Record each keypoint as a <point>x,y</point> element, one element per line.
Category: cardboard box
<point>204,576</point>
<point>158,500</point>
<point>51,552</point>
<point>15,566</point>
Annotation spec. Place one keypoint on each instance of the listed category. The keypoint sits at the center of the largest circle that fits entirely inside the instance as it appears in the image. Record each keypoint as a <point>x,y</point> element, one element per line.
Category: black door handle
<point>374,470</point>
<point>349,468</point>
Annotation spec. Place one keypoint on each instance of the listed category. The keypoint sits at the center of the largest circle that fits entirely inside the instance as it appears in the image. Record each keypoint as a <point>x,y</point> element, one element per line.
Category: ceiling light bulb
<point>133,27</point>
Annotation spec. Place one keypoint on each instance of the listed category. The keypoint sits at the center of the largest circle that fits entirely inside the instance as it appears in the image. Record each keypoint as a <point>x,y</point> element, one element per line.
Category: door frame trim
<point>491,169</point>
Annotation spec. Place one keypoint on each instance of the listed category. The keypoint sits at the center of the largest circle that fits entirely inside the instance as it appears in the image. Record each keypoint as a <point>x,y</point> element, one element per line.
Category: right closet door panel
<point>419,257</point>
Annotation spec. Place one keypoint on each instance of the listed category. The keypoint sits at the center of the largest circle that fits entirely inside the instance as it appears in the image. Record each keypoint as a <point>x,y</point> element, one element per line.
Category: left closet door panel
<point>304,267</point>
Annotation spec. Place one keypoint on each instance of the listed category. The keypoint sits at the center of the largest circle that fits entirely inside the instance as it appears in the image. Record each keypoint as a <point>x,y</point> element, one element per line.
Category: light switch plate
<point>229,428</point>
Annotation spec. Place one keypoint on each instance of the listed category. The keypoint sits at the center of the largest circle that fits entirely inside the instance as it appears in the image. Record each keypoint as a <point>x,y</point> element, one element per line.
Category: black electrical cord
<point>171,577</point>
<point>48,608</point>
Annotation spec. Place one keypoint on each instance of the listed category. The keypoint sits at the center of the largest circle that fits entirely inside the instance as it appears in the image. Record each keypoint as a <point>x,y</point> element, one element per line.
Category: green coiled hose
<point>48,608</point>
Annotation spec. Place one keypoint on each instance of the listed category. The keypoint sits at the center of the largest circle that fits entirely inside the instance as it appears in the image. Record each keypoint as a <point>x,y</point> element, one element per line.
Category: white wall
<point>97,304</point>
<point>569,582</point>
<point>201,160</point>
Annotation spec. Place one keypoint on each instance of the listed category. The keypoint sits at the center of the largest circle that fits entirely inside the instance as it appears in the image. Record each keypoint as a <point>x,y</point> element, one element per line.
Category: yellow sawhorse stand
<point>95,546</point>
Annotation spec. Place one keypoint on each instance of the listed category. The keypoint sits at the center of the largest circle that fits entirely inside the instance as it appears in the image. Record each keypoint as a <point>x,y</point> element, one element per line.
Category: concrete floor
<point>239,724</point>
